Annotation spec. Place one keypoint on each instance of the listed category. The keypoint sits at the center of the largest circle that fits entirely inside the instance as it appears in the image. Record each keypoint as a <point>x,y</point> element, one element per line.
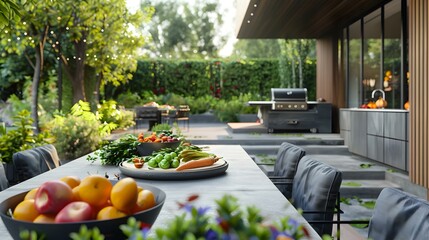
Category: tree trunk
<point>301,79</point>
<point>97,87</point>
<point>78,82</point>
<point>35,87</point>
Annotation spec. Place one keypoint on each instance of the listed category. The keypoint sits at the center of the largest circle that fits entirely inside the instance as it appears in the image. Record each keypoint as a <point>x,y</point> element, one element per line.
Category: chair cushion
<point>286,164</point>
<point>315,188</point>
<point>399,215</point>
<point>32,162</point>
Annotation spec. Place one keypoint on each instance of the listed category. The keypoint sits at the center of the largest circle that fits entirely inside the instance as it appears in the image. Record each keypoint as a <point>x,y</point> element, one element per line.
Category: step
<point>309,149</point>
<point>365,188</point>
<point>349,165</point>
<point>252,141</point>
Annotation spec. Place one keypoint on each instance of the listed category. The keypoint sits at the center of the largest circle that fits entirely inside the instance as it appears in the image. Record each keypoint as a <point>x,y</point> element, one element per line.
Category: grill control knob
<point>302,106</point>
<point>295,106</point>
<point>289,106</point>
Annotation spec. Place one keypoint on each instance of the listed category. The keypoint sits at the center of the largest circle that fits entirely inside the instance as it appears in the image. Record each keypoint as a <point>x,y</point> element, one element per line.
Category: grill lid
<point>289,98</point>
<point>289,94</point>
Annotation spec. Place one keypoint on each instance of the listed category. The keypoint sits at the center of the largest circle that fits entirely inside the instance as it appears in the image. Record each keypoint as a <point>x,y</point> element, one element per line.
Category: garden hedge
<point>222,79</point>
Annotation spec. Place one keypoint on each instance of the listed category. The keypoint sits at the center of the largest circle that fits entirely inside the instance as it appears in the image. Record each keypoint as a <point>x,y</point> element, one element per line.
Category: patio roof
<point>298,18</point>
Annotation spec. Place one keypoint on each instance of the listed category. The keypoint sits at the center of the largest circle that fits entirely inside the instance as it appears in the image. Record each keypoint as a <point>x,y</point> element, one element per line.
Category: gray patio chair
<point>399,215</point>
<point>287,160</point>
<point>4,183</point>
<point>315,190</point>
<point>32,162</point>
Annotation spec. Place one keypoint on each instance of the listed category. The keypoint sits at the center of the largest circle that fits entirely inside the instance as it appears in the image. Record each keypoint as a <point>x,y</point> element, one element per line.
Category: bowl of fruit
<point>58,208</point>
<point>157,141</point>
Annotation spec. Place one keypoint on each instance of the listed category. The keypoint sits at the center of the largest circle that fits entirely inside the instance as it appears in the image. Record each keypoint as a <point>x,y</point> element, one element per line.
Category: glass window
<point>354,66</point>
<point>392,54</point>
<point>372,55</point>
<point>375,57</point>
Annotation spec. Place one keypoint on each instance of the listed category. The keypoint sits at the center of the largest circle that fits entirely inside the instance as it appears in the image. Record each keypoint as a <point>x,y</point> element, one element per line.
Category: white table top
<point>243,179</point>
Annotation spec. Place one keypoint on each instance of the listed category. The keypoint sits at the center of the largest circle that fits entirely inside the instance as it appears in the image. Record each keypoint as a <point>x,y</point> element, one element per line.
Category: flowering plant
<point>230,223</point>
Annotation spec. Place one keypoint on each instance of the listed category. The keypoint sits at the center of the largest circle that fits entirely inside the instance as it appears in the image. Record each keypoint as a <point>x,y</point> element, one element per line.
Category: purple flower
<point>203,210</point>
<point>211,235</point>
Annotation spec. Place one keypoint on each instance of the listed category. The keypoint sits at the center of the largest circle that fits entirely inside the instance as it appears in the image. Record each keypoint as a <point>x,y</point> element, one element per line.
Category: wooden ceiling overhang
<point>299,19</point>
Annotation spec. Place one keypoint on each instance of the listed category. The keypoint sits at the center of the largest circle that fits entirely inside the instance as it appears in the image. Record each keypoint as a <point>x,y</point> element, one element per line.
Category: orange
<point>124,194</point>
<point>45,218</point>
<point>72,181</point>
<point>95,190</point>
<point>145,200</point>
<point>76,196</point>
<point>26,211</point>
<point>110,212</point>
<point>31,194</point>
<point>139,189</point>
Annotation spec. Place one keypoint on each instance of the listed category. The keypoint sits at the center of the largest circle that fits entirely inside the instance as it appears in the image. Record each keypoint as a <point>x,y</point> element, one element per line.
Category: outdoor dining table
<point>243,179</point>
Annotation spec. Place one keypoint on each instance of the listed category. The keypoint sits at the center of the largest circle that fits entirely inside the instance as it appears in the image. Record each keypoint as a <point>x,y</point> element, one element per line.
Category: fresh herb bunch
<point>115,152</point>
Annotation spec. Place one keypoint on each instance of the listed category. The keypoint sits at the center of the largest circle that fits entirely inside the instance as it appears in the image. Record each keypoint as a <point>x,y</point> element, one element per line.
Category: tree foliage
<point>93,41</point>
<point>181,30</point>
<point>256,48</point>
<point>10,11</point>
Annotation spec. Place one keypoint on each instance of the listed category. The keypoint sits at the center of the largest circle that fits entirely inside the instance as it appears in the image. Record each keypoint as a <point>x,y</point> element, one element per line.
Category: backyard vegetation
<point>81,67</point>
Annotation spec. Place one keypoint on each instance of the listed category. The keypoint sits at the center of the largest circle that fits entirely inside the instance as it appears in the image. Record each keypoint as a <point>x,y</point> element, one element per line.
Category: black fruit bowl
<point>109,228</point>
<point>147,148</point>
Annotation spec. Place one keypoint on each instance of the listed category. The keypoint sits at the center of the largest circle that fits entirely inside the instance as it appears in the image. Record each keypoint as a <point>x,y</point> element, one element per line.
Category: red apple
<point>75,212</point>
<point>52,196</point>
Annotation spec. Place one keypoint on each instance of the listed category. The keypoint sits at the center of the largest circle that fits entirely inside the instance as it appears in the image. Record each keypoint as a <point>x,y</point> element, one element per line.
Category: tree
<point>181,30</point>
<point>256,48</point>
<point>32,32</point>
<point>295,52</point>
<point>99,34</point>
<point>90,34</point>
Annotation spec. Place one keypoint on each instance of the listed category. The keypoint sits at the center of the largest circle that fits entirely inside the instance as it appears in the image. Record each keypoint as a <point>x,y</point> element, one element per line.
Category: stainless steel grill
<point>289,110</point>
<point>289,98</point>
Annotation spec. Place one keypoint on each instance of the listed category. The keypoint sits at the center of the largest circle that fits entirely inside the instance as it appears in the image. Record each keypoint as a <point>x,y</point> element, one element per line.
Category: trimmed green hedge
<point>198,78</point>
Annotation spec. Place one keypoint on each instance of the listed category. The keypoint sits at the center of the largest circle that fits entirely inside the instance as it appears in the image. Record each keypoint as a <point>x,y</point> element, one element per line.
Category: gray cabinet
<point>358,132</point>
<point>380,135</point>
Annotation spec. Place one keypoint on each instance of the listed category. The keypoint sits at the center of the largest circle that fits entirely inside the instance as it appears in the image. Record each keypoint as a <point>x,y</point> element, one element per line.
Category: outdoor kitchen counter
<point>243,179</point>
<point>378,134</point>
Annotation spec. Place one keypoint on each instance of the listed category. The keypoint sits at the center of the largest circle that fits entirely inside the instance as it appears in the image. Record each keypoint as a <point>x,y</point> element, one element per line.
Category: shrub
<point>21,138</point>
<point>75,136</point>
<point>129,99</point>
<point>201,104</point>
<point>228,110</point>
<point>110,112</point>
